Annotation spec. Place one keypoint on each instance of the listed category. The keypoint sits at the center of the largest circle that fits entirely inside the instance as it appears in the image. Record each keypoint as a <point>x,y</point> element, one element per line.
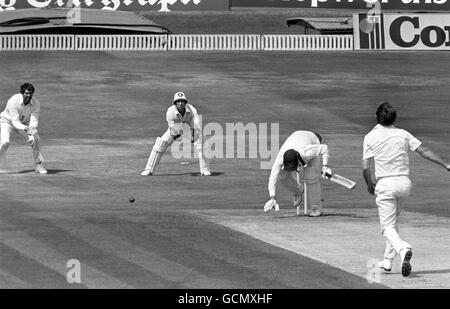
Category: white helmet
<point>179,96</point>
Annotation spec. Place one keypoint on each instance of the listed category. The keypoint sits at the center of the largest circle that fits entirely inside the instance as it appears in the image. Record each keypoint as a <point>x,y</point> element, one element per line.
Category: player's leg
<point>5,134</point>
<point>403,192</point>
<point>313,186</point>
<point>37,154</point>
<point>388,257</point>
<point>36,144</point>
<point>202,161</point>
<point>290,181</point>
<point>160,146</point>
<point>387,192</point>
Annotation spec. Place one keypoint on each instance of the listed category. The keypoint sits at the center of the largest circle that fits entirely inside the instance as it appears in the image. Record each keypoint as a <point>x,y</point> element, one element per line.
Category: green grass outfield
<point>101,113</point>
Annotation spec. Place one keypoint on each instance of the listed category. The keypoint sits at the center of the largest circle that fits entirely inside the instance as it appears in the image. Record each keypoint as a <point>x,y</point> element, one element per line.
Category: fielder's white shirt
<point>389,147</point>
<point>18,115</point>
<point>309,147</point>
<point>175,119</point>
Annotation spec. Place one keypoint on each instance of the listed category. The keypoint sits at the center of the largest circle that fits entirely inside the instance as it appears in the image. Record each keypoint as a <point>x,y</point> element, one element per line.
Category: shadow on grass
<point>51,172</point>
<point>429,272</point>
<point>293,215</point>
<point>191,174</point>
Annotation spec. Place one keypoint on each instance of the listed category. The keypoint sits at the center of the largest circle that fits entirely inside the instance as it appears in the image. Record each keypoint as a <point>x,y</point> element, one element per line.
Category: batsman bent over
<point>181,112</point>
<point>304,149</point>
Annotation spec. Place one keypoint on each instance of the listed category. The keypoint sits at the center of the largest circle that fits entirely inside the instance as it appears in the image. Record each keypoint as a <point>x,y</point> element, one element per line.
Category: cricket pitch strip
<point>350,239</point>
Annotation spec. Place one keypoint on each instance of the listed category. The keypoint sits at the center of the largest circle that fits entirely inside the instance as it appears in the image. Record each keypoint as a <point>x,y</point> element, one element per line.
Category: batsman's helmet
<point>179,96</point>
<point>291,158</point>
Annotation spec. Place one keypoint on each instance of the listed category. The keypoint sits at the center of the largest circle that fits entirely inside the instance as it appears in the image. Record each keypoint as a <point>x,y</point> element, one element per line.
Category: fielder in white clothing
<point>303,149</point>
<point>181,112</point>
<point>22,114</point>
<point>388,147</point>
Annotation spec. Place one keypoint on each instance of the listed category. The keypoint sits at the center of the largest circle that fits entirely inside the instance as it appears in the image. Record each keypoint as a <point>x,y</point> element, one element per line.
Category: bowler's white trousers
<point>390,193</point>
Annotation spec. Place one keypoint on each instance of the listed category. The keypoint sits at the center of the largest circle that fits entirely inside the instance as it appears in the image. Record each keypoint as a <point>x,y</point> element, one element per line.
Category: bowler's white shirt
<point>174,118</point>
<point>304,142</point>
<point>18,115</point>
<point>389,147</point>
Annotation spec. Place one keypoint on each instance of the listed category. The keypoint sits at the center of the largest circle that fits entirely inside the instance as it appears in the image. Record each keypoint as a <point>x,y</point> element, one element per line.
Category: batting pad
<point>160,145</point>
<point>312,173</point>
<point>314,191</point>
<point>157,152</point>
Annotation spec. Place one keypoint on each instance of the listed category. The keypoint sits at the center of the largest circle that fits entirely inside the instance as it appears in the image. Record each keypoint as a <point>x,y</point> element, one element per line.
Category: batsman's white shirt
<point>18,115</point>
<point>304,142</point>
<point>175,119</point>
<point>389,147</point>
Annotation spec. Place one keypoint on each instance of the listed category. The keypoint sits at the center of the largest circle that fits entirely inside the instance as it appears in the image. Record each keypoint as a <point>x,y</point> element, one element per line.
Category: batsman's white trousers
<point>390,193</point>
<point>311,176</point>
<point>5,136</point>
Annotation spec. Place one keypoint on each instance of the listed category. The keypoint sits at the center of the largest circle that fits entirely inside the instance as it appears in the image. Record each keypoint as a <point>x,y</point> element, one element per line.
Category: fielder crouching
<point>22,114</point>
<point>303,149</point>
<point>181,112</point>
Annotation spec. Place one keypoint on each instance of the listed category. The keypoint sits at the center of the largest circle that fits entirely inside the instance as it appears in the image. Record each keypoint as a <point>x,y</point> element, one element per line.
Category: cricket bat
<point>341,180</point>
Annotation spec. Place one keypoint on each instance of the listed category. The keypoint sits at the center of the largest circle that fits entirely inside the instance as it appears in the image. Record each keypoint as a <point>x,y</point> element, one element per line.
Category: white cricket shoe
<point>406,255</point>
<point>316,213</point>
<point>206,173</point>
<point>146,173</point>
<point>385,264</point>
<point>297,200</point>
<point>41,169</point>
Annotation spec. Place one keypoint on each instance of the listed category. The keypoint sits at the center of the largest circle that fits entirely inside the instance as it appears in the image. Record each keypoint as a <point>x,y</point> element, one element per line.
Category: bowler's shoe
<point>385,264</point>
<point>406,255</point>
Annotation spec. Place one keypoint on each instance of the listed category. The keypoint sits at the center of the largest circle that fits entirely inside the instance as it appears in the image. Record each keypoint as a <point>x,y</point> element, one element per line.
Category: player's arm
<point>14,114</point>
<point>367,174</point>
<point>273,179</point>
<point>368,162</point>
<point>431,156</point>
<point>195,124</point>
<point>315,150</point>
<point>416,145</point>
<point>34,117</point>
<point>170,118</point>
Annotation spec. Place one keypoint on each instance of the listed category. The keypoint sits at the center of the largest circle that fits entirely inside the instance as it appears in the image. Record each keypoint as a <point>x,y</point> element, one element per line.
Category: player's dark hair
<point>26,86</point>
<point>386,114</point>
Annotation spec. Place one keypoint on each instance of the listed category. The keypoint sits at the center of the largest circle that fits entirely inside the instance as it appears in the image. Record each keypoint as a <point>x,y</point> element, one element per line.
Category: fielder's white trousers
<point>390,193</point>
<point>5,135</point>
